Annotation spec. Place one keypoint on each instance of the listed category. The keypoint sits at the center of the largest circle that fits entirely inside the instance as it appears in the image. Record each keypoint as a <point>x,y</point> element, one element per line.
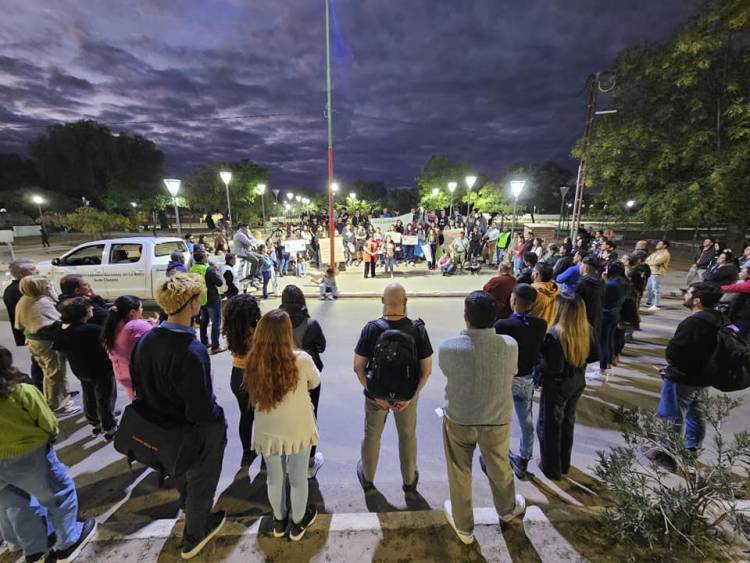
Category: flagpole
<point>331,226</point>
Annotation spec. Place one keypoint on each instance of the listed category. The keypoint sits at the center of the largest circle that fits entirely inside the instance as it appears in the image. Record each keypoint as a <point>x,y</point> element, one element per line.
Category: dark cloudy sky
<point>490,82</point>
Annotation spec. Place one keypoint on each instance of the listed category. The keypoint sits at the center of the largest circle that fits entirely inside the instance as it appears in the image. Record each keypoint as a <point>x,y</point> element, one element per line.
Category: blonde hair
<point>35,286</point>
<point>173,294</point>
<point>572,328</point>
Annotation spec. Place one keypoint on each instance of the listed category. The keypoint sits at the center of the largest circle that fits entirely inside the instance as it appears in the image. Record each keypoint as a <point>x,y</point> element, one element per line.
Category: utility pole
<point>331,226</point>
<point>583,164</point>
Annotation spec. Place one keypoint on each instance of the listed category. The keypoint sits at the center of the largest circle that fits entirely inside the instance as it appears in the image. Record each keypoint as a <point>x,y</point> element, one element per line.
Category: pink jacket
<point>127,337</point>
<point>739,287</point>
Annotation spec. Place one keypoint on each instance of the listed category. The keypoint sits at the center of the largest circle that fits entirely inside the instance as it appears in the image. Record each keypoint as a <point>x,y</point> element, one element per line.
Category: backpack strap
<point>382,324</point>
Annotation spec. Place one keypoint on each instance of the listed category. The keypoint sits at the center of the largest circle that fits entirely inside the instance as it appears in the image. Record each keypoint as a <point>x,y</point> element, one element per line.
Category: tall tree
<point>679,143</point>
<point>437,172</point>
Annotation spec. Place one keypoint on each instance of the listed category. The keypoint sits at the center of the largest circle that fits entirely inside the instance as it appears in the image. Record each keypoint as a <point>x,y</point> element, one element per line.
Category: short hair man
<point>699,267</point>
<point>211,306</point>
<point>658,261</point>
<point>376,409</point>
<point>530,260</point>
<point>500,287</point>
<point>688,352</point>
<point>75,285</point>
<point>176,263</point>
<point>479,366</point>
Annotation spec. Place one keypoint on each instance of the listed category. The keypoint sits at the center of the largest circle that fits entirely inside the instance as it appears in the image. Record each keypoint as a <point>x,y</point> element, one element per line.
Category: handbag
<point>169,448</point>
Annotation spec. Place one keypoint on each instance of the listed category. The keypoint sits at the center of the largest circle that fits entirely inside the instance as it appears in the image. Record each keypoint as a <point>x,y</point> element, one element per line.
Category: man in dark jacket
<point>688,352</point>
<point>501,287</point>
<point>698,269</point>
<point>75,285</point>
<point>176,263</point>
<point>211,310</point>
<point>19,269</point>
<point>529,261</point>
<point>171,374</point>
<point>565,260</point>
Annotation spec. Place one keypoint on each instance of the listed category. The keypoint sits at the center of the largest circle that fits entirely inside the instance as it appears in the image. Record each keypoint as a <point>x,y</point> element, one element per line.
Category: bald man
<point>377,409</point>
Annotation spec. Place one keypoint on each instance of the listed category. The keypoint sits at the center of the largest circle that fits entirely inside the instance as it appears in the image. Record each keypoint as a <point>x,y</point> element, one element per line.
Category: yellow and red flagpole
<point>331,222</point>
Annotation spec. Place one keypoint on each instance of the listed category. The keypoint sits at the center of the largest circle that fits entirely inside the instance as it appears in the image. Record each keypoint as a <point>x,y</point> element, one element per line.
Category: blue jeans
<point>607,339</point>
<point>389,265</point>
<point>266,279</point>
<point>499,253</point>
<point>283,263</point>
<point>23,522</point>
<point>292,467</point>
<point>211,312</point>
<point>408,253</point>
<point>683,405</point>
<point>517,265</point>
<point>653,286</point>
<point>523,393</point>
<point>40,474</point>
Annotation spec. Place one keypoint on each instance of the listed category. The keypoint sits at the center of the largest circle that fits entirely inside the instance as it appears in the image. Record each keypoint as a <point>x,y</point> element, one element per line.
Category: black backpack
<point>728,367</point>
<point>394,371</point>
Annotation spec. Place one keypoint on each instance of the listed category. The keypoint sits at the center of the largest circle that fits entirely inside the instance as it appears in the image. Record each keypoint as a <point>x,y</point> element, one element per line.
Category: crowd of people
<point>551,311</point>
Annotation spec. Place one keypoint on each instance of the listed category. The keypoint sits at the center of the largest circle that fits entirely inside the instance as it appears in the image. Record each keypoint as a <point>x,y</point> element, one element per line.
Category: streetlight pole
<point>470,180</point>
<point>226,177</point>
<point>563,192</point>
<point>515,186</point>
<point>262,190</point>
<point>173,186</point>
<point>452,188</point>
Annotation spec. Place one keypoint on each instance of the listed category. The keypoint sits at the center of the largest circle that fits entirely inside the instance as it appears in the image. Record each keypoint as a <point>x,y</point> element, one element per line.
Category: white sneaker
<point>593,374</point>
<point>322,297</point>
<point>67,408</point>
<point>463,536</point>
<point>519,509</point>
<point>316,463</point>
<point>653,308</point>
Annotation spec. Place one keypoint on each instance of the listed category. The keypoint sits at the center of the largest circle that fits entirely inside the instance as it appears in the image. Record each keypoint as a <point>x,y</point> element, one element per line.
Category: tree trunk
<point>736,234</point>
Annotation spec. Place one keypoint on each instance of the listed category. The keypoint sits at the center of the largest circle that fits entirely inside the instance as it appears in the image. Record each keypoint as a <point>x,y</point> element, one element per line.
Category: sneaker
<point>67,409</point>
<point>279,527</point>
<point>316,462</point>
<point>366,485</point>
<point>70,553</point>
<point>217,350</point>
<point>109,435</point>
<point>519,465</point>
<point>519,509</point>
<point>654,308</point>
<point>463,536</point>
<point>34,557</point>
<point>95,431</point>
<point>662,459</point>
<point>322,297</point>
<point>296,531</point>
<point>216,522</point>
<point>413,487</point>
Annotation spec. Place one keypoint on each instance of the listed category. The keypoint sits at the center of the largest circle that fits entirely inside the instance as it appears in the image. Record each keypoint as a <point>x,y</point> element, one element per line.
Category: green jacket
<point>503,239</point>
<point>27,422</point>
<point>201,269</point>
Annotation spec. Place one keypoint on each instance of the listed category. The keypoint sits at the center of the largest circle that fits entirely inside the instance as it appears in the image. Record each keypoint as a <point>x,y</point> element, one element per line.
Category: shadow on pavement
<point>109,487</point>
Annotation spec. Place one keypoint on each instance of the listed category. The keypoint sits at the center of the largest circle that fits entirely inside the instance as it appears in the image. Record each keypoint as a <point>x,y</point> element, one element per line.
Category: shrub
<point>95,222</point>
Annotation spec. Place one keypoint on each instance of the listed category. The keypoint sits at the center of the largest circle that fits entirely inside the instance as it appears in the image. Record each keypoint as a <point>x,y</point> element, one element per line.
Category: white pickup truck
<point>114,267</point>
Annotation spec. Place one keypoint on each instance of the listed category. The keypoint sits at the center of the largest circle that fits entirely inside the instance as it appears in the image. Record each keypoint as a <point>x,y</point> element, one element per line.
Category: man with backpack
<point>392,360</point>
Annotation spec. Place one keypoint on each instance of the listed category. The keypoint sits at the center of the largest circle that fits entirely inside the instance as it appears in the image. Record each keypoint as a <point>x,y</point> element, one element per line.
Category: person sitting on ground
<point>328,286</point>
<point>500,287</point>
<point>176,263</point>
<point>547,292</point>
<point>75,285</point>
<point>278,379</point>
<point>81,344</point>
<point>446,264</point>
<point>171,373</point>
<point>723,271</point>
<point>530,260</point>
<point>122,330</point>
<point>308,337</point>
<point>479,366</point>
<point>529,332</point>
<point>37,489</point>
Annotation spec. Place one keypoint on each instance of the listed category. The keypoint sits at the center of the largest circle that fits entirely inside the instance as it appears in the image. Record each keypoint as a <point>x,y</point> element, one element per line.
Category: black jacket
<point>639,276</point>
<point>100,307</point>
<point>11,297</point>
<point>308,335</point>
<point>591,290</point>
<point>691,347</point>
<point>723,275</point>
<point>705,258</point>
<point>562,264</point>
<point>81,344</point>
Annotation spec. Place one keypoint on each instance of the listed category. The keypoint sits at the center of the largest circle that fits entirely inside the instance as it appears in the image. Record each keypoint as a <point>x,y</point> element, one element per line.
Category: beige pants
<point>52,363</point>
<point>460,443</point>
<point>406,426</point>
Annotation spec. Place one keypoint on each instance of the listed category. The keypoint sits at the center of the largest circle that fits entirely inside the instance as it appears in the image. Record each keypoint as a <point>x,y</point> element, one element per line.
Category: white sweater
<point>290,426</point>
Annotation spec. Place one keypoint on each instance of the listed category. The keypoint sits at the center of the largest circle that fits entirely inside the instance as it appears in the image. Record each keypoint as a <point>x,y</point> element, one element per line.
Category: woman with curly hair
<point>278,379</point>
<point>241,316</point>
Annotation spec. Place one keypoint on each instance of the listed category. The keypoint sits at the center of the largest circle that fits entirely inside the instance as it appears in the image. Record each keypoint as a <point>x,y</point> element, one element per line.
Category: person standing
<point>308,337</point>
<point>565,260</point>
<point>564,354</point>
<point>460,247</point>
<point>658,261</point>
<point>529,332</point>
<point>616,291</point>
<point>211,309</point>
<point>121,332</point>
<point>19,269</point>
<point>176,263</point>
<point>171,373</point>
<point>389,253</point>
<point>34,486</point>
<point>39,319</point>
<point>479,366</point>
<point>501,287</point>
<point>241,316</point>
<point>75,285</point>
<point>266,268</point>
<point>278,379</point>
<point>706,256</point>
<point>376,409</point>
<point>369,255</point>
<point>546,292</point>
<point>503,242</point>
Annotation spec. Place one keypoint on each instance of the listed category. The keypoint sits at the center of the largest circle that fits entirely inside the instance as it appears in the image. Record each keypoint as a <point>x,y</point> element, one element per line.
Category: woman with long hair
<point>241,316</point>
<point>278,379</point>
<point>563,380</point>
<point>122,330</point>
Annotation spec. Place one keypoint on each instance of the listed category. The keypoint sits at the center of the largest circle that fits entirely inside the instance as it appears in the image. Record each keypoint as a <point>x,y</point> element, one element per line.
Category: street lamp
<point>262,191</point>
<point>334,187</point>
<point>353,195</point>
<point>226,177</point>
<point>38,200</point>
<point>452,188</point>
<point>289,196</point>
<point>516,186</point>
<point>630,203</point>
<point>563,192</point>
<point>133,204</point>
<point>298,198</point>
<point>173,186</point>
<point>470,181</point>
<point>435,191</point>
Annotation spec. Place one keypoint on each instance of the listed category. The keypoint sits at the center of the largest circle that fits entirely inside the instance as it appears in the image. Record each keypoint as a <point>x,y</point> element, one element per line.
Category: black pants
<point>618,340</point>
<point>36,375</point>
<point>557,417</point>
<point>607,339</point>
<point>198,485</point>
<point>99,402</point>
<point>370,267</point>
<point>247,414</point>
<point>314,397</point>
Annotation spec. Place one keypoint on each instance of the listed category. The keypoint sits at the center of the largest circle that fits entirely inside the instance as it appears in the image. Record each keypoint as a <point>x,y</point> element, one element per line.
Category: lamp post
<point>563,192</point>
<point>226,177</point>
<point>452,188</point>
<point>516,186</point>
<point>470,181</point>
<point>173,186</point>
<point>39,200</point>
<point>276,195</point>
<point>262,191</point>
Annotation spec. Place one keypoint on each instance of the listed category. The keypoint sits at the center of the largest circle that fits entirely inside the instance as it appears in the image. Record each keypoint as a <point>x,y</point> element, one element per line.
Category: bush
<point>95,222</point>
<point>658,509</point>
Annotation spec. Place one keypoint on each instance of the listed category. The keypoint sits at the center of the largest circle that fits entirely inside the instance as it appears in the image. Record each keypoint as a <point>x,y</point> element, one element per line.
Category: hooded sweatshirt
<point>544,306</point>
<point>308,336</point>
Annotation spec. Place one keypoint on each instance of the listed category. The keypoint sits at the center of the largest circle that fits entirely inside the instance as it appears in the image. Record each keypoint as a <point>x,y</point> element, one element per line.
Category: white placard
<point>395,237</point>
<point>410,240</point>
<point>295,245</point>
<point>427,252</point>
<point>385,223</point>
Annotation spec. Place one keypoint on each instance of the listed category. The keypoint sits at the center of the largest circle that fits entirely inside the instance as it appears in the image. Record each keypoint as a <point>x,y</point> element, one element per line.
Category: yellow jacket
<point>544,305</point>
<point>659,261</point>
